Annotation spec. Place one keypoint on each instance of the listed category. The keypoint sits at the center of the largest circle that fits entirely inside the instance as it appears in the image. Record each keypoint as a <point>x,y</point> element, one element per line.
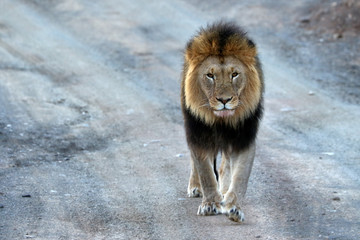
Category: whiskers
<point>238,104</point>
<point>205,105</point>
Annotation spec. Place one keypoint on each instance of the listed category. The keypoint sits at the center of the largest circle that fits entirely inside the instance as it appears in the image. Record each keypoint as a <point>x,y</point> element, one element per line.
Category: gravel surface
<point>91,131</point>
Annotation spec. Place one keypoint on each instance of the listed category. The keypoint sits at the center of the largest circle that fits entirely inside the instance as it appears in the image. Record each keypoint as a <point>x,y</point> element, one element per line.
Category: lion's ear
<point>188,56</point>
<point>248,52</point>
<point>251,50</point>
<point>250,43</point>
<point>196,52</point>
<point>191,58</point>
<point>188,51</point>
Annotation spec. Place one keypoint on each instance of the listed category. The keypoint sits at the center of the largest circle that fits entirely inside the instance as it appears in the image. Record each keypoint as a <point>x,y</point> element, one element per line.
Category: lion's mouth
<point>224,113</point>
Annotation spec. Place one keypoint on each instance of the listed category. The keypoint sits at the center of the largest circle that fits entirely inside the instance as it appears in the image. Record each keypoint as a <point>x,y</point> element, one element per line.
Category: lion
<point>222,104</point>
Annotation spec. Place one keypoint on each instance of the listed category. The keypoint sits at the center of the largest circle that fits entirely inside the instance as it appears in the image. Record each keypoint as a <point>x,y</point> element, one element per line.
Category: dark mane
<point>220,136</point>
<point>221,32</point>
<point>221,39</point>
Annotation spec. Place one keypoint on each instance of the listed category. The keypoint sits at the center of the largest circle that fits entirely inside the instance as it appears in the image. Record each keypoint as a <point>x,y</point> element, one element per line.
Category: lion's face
<point>222,77</point>
<point>225,89</point>
<point>222,81</point>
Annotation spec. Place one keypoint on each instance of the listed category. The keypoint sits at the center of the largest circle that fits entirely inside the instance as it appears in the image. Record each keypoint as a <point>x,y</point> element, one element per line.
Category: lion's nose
<point>224,100</point>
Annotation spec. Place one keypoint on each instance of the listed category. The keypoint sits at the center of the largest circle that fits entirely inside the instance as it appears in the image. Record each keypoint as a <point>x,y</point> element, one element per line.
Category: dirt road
<point>92,141</point>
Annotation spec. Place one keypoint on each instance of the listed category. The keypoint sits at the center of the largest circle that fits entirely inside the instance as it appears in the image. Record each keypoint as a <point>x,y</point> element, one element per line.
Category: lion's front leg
<point>240,165</point>
<point>194,187</point>
<point>224,174</point>
<point>211,196</point>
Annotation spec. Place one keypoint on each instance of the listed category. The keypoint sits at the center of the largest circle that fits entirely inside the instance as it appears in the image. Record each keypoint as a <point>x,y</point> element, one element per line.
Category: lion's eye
<point>210,75</point>
<point>234,74</point>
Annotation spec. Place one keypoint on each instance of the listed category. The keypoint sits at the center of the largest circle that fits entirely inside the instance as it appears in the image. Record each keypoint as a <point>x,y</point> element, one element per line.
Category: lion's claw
<point>194,193</point>
<point>208,208</point>
<point>235,214</point>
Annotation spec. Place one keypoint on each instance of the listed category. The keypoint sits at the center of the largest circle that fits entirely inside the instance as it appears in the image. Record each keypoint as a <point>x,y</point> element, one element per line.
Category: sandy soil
<point>92,141</point>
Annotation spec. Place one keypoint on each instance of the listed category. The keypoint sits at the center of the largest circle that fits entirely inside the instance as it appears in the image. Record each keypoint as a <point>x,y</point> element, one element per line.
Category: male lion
<point>222,103</point>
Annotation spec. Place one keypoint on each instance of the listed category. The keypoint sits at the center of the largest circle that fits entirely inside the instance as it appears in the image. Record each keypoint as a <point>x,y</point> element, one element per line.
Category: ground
<point>91,131</point>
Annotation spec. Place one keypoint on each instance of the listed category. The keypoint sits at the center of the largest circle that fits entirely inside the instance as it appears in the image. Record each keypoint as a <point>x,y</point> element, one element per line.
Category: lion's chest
<point>220,136</point>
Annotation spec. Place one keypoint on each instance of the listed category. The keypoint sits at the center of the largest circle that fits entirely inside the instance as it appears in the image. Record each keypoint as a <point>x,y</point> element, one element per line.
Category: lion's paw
<point>208,208</point>
<point>234,213</point>
<point>194,192</point>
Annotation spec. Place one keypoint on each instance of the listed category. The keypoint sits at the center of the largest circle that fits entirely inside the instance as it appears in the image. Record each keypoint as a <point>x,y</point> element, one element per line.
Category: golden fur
<point>237,47</point>
<point>221,99</point>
